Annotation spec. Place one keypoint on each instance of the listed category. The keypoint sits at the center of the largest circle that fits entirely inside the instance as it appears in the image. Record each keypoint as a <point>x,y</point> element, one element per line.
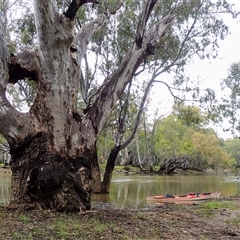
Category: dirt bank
<point>213,220</point>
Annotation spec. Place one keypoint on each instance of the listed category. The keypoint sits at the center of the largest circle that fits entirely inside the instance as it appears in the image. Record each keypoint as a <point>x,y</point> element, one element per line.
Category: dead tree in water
<point>169,165</point>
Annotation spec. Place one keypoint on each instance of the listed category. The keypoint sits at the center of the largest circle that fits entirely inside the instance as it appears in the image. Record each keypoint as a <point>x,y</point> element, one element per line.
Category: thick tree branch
<point>143,18</point>
<point>84,36</point>
<point>74,6</point>
<point>15,126</point>
<point>50,25</point>
<point>116,83</point>
<point>23,65</point>
<point>158,29</point>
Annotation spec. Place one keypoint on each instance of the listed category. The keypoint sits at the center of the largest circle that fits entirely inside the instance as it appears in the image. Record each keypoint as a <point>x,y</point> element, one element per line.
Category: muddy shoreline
<point>214,220</point>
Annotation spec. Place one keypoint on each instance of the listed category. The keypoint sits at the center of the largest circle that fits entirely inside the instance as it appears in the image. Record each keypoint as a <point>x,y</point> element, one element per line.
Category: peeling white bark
<point>158,29</point>
<point>85,34</point>
<point>117,81</point>
<point>10,119</point>
<point>4,55</point>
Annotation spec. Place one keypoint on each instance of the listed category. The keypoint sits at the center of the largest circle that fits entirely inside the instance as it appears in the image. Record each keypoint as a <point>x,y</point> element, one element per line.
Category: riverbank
<point>135,170</point>
<point>213,220</point>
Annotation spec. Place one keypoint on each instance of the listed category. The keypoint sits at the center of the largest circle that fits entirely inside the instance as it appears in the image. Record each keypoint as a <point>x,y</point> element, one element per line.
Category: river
<point>130,191</point>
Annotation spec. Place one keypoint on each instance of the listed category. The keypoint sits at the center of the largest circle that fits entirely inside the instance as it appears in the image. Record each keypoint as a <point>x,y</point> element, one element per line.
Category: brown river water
<point>130,191</point>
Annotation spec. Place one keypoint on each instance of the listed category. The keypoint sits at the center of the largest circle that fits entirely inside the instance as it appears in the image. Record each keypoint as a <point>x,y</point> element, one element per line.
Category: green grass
<point>65,228</point>
<point>22,236</point>
<point>210,208</point>
<point>23,218</point>
<point>220,205</point>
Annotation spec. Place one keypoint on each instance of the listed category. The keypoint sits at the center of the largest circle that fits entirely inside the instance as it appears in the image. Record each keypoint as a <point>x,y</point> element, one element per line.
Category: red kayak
<point>187,197</point>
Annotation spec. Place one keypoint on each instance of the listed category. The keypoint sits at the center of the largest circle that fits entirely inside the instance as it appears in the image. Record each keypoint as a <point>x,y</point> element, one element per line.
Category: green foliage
<point>26,29</point>
<point>178,136</point>
<point>232,146</point>
<point>169,137</point>
<point>183,133</point>
<point>22,94</point>
<point>190,115</point>
<point>229,107</point>
<point>212,155</point>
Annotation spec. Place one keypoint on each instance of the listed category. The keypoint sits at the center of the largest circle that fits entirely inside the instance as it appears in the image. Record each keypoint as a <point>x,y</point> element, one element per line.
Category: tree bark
<point>138,156</point>
<point>109,170</point>
<point>53,147</point>
<point>50,180</point>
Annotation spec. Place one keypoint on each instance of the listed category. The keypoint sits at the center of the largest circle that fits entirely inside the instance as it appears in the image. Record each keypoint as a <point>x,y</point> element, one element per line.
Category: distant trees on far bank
<point>183,138</point>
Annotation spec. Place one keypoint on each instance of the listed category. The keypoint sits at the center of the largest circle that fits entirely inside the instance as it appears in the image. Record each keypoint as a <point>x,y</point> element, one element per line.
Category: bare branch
<point>173,95</point>
<point>170,90</point>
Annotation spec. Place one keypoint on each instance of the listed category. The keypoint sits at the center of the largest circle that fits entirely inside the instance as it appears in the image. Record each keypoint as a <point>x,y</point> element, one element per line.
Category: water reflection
<point>131,191</point>
<point>5,188</point>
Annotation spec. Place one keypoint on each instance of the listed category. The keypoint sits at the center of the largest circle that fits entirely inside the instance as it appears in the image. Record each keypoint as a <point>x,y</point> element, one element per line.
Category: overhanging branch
<point>23,65</point>
<point>74,6</point>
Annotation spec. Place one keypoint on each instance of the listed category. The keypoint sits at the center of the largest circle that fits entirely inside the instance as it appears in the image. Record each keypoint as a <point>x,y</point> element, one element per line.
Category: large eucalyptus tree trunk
<point>53,146</point>
<point>54,151</point>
